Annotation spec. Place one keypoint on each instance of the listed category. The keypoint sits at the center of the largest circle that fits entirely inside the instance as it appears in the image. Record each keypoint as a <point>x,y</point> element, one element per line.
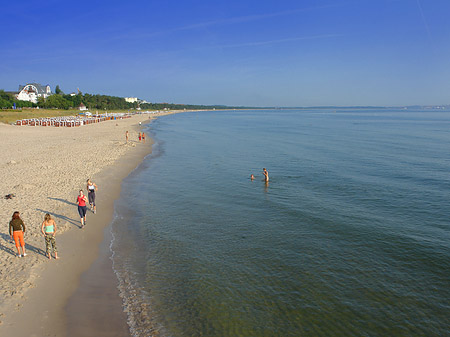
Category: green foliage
<point>58,90</point>
<point>56,101</point>
<point>92,102</point>
<point>7,101</point>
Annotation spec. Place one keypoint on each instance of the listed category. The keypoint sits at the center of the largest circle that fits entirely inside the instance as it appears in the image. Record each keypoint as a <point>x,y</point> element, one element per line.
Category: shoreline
<point>41,290</point>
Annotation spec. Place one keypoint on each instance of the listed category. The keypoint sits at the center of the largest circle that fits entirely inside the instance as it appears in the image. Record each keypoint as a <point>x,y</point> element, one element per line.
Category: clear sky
<point>234,52</point>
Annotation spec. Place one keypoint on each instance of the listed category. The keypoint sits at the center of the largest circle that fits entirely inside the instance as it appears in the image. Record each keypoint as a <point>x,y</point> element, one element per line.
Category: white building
<point>32,91</point>
<point>131,99</point>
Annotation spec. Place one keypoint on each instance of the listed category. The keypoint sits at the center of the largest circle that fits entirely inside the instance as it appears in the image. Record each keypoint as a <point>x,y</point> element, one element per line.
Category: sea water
<point>350,237</point>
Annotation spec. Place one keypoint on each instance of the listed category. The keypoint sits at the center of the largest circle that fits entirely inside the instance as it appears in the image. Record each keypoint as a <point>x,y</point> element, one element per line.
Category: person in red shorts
<point>16,231</point>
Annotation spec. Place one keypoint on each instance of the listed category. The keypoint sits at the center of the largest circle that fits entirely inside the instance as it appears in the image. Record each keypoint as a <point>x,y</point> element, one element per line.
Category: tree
<point>58,91</point>
<point>56,101</point>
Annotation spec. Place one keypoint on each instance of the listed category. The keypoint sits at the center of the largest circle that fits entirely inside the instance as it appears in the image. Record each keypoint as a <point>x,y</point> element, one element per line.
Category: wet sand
<point>45,168</point>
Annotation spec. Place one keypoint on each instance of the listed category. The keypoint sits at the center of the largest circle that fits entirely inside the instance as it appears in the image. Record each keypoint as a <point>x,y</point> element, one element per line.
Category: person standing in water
<point>81,200</point>
<point>16,231</point>
<point>266,175</point>
<point>48,229</point>
<point>91,187</point>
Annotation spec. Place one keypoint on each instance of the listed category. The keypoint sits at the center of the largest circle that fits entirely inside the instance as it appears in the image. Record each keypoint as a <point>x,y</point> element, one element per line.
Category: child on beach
<point>92,187</point>
<point>140,136</point>
<point>143,137</point>
<point>48,230</point>
<point>16,231</point>
<point>81,200</point>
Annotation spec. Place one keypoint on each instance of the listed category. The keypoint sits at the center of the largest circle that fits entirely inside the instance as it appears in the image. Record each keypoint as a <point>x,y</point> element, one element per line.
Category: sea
<point>350,237</point>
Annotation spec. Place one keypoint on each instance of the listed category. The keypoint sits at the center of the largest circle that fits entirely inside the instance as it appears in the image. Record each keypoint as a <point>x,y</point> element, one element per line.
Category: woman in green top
<point>48,229</point>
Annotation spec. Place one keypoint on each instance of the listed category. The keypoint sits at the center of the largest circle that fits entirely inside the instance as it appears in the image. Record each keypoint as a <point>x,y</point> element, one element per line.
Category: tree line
<point>59,100</point>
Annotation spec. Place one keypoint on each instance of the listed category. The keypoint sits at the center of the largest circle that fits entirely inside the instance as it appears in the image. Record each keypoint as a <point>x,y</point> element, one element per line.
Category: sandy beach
<point>45,167</point>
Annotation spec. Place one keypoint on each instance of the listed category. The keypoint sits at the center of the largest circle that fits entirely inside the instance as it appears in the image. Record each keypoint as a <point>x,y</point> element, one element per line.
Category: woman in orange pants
<point>16,231</point>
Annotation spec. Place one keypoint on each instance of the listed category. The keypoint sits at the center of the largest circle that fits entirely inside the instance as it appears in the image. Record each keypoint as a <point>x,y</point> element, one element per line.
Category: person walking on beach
<point>81,200</point>
<point>126,136</point>
<point>143,137</point>
<point>140,136</point>
<point>91,187</point>
<point>16,231</point>
<point>266,175</point>
<point>48,229</point>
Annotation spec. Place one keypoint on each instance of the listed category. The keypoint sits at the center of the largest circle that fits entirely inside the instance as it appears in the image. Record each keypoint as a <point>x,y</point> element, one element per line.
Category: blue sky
<point>253,53</point>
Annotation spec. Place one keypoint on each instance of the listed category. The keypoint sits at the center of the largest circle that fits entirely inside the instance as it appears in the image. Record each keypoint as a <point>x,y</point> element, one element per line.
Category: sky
<point>234,52</point>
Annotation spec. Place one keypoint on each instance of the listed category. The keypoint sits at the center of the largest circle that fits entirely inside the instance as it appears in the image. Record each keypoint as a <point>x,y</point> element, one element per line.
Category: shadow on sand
<point>64,201</point>
<point>10,243</point>
<point>61,217</point>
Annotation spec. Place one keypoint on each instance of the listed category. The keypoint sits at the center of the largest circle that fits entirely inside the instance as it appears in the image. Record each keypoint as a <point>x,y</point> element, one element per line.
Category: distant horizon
<point>433,106</point>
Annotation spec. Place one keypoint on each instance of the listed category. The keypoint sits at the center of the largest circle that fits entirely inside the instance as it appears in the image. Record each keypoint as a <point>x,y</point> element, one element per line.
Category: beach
<point>45,167</point>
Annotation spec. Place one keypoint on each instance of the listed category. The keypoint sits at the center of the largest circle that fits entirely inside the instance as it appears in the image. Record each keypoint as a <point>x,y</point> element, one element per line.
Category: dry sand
<point>45,167</point>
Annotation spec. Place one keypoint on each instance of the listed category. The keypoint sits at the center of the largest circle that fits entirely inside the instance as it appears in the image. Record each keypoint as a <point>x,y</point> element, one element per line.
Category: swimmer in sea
<point>266,175</point>
<point>252,177</point>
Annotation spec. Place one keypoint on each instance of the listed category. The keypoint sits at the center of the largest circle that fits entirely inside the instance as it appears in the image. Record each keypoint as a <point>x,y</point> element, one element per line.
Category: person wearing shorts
<point>82,209</point>
<point>91,187</point>
<point>16,231</point>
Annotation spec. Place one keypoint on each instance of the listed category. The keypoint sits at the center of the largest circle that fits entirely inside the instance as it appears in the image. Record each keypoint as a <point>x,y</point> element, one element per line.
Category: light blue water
<point>350,237</point>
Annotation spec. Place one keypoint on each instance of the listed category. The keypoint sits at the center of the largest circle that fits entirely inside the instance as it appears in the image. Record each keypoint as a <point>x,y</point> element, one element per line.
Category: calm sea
<point>351,236</point>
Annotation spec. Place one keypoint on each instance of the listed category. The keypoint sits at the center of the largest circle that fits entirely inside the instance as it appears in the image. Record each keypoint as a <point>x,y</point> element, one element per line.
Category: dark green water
<point>349,238</point>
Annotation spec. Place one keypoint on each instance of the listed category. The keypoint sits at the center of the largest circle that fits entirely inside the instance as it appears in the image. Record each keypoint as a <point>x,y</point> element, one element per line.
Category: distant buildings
<point>131,99</point>
<point>31,91</point>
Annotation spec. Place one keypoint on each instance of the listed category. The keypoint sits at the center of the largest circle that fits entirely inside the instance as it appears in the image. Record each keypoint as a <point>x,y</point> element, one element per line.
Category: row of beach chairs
<point>70,121</point>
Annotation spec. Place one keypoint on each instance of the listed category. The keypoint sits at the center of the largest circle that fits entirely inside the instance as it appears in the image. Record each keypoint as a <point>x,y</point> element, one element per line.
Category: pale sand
<point>45,167</point>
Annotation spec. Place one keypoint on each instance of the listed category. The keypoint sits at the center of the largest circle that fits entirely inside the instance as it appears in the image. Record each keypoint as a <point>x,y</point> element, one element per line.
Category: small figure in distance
<point>252,177</point>
<point>16,231</point>
<point>143,137</point>
<point>126,136</point>
<point>140,136</point>
<point>266,175</point>
<point>91,187</point>
<point>81,200</point>
<point>48,229</point>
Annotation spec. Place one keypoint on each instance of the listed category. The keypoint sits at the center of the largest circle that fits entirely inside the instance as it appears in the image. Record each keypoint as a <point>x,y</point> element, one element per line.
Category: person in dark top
<point>16,231</point>
<point>91,187</point>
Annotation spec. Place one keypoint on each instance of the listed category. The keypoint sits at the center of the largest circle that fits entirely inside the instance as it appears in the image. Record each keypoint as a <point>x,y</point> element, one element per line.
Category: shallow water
<point>349,238</point>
